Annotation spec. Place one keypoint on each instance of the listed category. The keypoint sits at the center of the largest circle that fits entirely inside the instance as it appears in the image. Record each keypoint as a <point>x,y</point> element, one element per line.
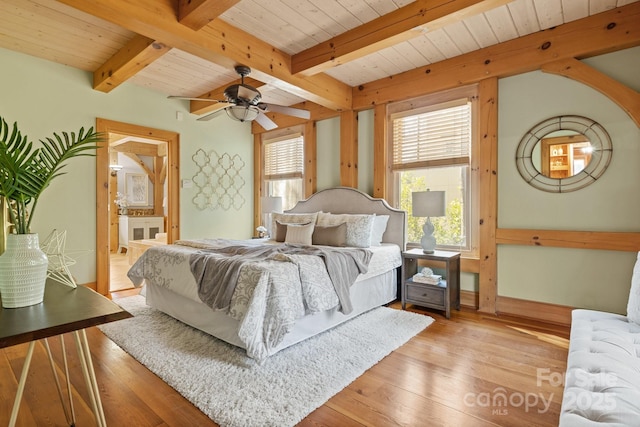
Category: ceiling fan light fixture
<point>243,113</point>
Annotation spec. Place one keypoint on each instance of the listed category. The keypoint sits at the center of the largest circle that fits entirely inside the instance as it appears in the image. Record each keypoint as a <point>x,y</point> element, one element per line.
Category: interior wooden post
<point>380,152</point>
<point>349,149</point>
<point>310,159</point>
<point>488,222</point>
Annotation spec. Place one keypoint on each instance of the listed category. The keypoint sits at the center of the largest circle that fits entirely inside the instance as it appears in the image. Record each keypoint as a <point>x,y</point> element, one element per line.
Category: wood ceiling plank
<point>595,35</point>
<point>138,53</point>
<point>195,14</point>
<point>386,31</point>
<point>220,43</point>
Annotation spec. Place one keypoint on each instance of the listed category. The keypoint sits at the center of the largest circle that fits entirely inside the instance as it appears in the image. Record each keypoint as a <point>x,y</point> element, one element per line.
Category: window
<point>283,168</point>
<point>431,148</point>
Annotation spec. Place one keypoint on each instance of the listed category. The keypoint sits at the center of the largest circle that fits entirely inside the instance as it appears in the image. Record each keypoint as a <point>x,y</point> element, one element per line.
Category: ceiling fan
<point>243,104</point>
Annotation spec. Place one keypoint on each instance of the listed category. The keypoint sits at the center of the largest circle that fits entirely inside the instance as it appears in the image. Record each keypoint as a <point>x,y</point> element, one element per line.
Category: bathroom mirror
<point>564,153</point>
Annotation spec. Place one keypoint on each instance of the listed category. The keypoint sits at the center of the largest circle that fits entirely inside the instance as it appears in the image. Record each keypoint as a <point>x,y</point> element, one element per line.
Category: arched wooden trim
<point>627,98</point>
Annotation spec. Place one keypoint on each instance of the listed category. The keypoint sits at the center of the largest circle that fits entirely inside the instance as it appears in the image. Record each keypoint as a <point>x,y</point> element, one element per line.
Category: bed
<point>277,304</point>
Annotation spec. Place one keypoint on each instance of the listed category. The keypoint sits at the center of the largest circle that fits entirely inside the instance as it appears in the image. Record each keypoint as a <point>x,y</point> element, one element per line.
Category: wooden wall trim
<point>103,200</point>
<point>626,98</point>
<point>470,265</point>
<point>604,240</point>
<point>488,165</point>
<point>541,311</point>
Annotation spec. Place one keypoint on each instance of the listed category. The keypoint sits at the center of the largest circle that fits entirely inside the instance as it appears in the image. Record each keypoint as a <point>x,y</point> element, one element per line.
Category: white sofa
<point>602,382</point>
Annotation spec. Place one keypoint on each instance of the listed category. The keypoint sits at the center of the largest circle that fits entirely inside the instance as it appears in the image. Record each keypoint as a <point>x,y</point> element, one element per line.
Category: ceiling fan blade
<point>289,111</point>
<point>265,121</point>
<point>192,99</point>
<point>210,116</point>
<point>247,93</point>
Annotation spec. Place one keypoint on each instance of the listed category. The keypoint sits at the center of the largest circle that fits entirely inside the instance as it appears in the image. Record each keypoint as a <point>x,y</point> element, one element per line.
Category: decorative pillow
<point>379,227</point>
<point>633,305</point>
<point>335,235</point>
<point>281,231</point>
<point>359,227</point>
<point>290,218</point>
<point>299,234</point>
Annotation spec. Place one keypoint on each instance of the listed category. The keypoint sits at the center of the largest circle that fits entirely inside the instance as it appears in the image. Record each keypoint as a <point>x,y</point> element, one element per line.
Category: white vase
<point>23,271</point>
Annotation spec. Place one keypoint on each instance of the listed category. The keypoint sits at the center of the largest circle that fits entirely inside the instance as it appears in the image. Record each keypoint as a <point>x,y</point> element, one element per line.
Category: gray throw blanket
<point>216,271</point>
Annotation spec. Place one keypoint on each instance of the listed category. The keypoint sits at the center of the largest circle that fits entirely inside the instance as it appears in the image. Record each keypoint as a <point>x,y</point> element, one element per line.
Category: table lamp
<point>428,204</point>
<point>270,204</point>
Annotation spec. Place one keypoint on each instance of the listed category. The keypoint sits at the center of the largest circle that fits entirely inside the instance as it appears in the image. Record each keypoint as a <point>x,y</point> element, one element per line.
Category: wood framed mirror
<point>564,153</point>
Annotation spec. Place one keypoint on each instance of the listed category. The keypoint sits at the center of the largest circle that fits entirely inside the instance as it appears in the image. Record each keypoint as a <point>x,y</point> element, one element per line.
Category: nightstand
<point>441,296</point>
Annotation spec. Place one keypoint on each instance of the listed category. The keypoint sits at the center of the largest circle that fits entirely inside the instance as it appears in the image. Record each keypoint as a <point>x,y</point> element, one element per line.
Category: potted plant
<point>25,172</point>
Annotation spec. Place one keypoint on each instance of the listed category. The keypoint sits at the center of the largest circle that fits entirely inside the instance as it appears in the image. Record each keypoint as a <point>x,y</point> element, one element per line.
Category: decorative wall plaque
<point>218,180</point>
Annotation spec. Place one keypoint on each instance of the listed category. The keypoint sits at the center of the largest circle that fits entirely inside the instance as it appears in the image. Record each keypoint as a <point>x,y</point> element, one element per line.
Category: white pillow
<point>359,227</point>
<point>291,218</point>
<point>299,234</point>
<point>379,227</point>
<point>633,305</point>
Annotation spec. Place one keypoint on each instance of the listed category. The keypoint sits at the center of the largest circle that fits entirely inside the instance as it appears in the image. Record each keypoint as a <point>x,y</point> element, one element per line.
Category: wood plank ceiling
<point>316,50</point>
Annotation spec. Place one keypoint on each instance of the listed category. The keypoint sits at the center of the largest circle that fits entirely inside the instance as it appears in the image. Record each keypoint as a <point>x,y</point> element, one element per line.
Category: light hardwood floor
<point>118,267</point>
<point>457,372</point>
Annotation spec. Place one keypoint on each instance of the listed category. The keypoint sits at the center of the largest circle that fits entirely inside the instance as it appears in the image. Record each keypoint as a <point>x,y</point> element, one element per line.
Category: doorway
<point>106,187</point>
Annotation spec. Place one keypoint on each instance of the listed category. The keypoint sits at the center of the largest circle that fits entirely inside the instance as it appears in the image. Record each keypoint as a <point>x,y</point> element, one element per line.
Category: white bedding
<point>177,277</point>
<point>270,296</point>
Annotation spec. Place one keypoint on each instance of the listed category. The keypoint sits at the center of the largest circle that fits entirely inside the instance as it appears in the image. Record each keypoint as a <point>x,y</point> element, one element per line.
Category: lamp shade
<point>243,113</point>
<point>271,204</point>
<point>428,203</point>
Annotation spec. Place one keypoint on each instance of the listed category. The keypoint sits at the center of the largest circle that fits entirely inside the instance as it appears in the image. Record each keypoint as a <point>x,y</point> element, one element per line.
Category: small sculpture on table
<point>59,262</point>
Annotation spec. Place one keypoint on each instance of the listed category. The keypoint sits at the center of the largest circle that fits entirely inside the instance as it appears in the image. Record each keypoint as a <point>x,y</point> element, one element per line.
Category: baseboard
<point>469,299</point>
<point>542,311</point>
<point>90,285</point>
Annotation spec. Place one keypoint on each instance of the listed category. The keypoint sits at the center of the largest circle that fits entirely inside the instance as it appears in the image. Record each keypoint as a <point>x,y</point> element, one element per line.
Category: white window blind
<point>436,137</point>
<point>284,158</point>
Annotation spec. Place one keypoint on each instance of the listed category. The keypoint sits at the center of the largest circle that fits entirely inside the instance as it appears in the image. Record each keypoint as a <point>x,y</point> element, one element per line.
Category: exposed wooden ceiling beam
<point>318,112</point>
<point>139,148</point>
<point>605,32</point>
<point>195,14</point>
<point>220,43</point>
<point>144,167</point>
<point>133,57</point>
<point>400,25</point>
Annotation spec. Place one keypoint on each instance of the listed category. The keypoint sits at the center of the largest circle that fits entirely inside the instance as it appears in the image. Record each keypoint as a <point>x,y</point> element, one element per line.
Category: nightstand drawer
<point>431,295</point>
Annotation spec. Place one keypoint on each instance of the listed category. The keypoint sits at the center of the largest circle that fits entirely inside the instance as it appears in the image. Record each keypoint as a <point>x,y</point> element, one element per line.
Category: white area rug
<point>233,390</point>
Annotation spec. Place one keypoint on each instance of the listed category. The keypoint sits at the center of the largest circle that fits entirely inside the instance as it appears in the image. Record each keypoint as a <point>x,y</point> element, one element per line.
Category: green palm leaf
<point>25,172</point>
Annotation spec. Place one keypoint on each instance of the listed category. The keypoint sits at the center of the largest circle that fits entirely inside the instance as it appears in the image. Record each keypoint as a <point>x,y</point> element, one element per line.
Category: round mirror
<point>564,153</point>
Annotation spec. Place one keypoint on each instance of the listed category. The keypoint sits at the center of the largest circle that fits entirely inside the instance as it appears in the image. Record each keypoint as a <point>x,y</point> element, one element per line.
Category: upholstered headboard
<point>347,200</point>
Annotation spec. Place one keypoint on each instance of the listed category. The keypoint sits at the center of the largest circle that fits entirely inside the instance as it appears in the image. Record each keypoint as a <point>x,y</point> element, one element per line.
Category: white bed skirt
<point>365,295</point>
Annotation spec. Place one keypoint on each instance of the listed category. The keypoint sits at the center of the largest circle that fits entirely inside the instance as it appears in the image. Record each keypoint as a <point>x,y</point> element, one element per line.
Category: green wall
<point>593,279</point>
<point>44,97</point>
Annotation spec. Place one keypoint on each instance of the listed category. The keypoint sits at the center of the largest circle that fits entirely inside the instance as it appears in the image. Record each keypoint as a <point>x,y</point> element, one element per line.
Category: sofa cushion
<point>633,305</point>
<point>602,382</point>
